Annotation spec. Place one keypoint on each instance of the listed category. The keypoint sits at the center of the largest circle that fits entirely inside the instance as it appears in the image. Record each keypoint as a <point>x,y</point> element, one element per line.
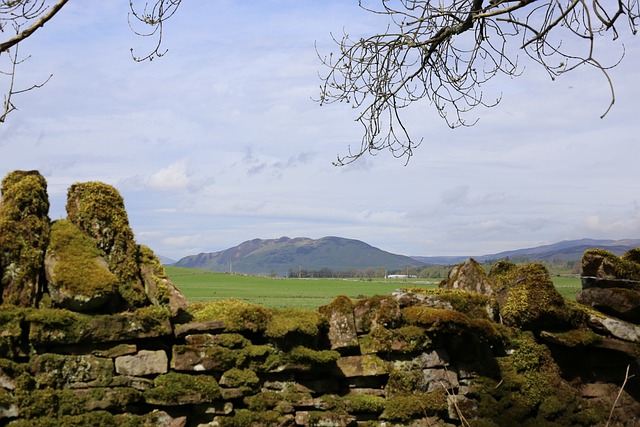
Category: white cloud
<point>174,177</point>
<point>220,142</point>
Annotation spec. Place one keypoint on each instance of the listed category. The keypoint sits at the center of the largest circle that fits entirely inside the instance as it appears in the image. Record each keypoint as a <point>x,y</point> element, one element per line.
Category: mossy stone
<point>237,315</point>
<point>98,210</point>
<point>24,236</point>
<point>78,277</point>
<point>530,301</point>
<point>182,389</point>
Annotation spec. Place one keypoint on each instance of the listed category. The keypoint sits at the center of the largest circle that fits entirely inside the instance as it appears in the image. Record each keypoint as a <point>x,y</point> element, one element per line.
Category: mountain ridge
<point>281,255</point>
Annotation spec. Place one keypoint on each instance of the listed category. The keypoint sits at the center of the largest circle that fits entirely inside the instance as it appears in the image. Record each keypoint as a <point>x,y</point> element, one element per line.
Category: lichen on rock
<point>24,235</point>
<point>78,277</point>
<point>98,210</point>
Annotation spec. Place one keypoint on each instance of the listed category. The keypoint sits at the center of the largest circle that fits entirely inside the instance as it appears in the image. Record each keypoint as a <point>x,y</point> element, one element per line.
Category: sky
<point>220,141</point>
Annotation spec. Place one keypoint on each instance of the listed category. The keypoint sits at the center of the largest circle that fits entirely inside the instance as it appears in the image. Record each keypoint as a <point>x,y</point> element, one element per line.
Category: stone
<point>10,411</point>
<point>376,311</point>
<point>342,326</point>
<point>437,358</point>
<point>98,210</point>
<point>52,326</point>
<point>201,358</point>
<point>618,302</point>
<point>603,269</point>
<point>78,278</point>
<point>530,301</point>
<point>72,371</point>
<point>145,362</point>
<point>24,236</point>
<point>408,298</point>
<point>192,328</point>
<point>617,328</point>
<point>469,276</point>
<point>115,351</point>
<point>438,379</point>
<point>359,366</point>
<point>159,289</point>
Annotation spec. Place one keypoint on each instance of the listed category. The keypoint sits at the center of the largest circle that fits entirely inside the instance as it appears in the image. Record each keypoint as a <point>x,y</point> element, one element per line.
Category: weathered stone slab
<point>342,325</point>
<point>618,302</point>
<point>362,366</point>
<point>198,328</point>
<point>72,371</point>
<point>51,326</point>
<point>437,358</point>
<point>145,362</point>
<point>438,379</point>
<point>617,328</point>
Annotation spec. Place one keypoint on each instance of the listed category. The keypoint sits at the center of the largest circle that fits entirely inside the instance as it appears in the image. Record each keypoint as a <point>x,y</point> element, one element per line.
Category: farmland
<point>202,285</point>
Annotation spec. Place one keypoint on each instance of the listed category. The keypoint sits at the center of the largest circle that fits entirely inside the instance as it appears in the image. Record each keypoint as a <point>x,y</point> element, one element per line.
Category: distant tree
<point>445,51</point>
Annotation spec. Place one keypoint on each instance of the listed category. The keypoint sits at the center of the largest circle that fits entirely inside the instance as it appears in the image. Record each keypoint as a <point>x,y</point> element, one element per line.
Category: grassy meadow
<point>203,285</point>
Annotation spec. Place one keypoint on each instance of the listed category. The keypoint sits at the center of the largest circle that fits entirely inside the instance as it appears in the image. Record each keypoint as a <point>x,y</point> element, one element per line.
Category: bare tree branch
<point>21,35</point>
<point>443,52</point>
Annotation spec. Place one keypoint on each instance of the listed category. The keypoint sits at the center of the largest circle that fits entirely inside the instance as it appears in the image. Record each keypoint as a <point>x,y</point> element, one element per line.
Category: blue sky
<point>220,141</point>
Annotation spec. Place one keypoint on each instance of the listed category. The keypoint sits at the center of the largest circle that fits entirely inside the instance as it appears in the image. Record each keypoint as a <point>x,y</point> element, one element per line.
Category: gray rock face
<point>145,362</point>
<point>618,302</point>
<point>469,276</point>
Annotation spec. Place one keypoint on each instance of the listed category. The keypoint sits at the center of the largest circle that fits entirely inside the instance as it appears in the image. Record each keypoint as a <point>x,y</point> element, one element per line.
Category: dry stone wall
<point>93,333</point>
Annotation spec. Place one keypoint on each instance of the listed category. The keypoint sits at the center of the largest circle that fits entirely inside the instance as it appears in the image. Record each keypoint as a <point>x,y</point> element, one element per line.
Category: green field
<point>202,285</point>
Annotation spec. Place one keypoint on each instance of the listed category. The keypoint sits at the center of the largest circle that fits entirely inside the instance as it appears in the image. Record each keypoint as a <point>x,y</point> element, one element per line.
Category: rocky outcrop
<point>611,284</point>
<point>24,236</point>
<point>469,276</point>
<point>87,263</point>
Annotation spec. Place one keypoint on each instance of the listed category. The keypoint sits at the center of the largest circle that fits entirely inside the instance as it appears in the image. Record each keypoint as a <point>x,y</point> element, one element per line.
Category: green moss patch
<point>24,235</point>
<point>180,389</point>
<point>237,315</point>
<point>295,324</point>
<point>78,268</point>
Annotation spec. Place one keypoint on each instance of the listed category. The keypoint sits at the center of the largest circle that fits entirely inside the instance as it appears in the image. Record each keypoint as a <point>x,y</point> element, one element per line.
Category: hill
<point>264,257</point>
<point>567,250</point>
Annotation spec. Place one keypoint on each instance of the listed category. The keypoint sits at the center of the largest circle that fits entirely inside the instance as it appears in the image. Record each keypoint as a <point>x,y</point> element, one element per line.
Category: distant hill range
<point>567,250</point>
<point>279,256</point>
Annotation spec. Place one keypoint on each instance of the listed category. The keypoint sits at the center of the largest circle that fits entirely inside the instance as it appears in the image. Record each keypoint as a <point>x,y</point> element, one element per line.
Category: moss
<point>175,389</point>
<point>24,236</point>
<point>632,255</point>
<point>501,271</point>
<point>78,268</point>
<point>295,325</point>
<point>306,355</point>
<point>610,265</point>
<point>232,341</point>
<point>531,301</point>
<point>98,210</point>
<point>402,381</point>
<point>237,315</point>
<point>377,310</point>
<point>277,400</point>
<point>578,337</point>
<point>436,319</point>
<point>364,403</point>
<point>245,379</point>
<point>245,417</point>
<point>403,408</point>
<point>341,304</point>
<point>60,326</point>
<point>530,388</point>
<point>150,263</point>
<point>406,339</point>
